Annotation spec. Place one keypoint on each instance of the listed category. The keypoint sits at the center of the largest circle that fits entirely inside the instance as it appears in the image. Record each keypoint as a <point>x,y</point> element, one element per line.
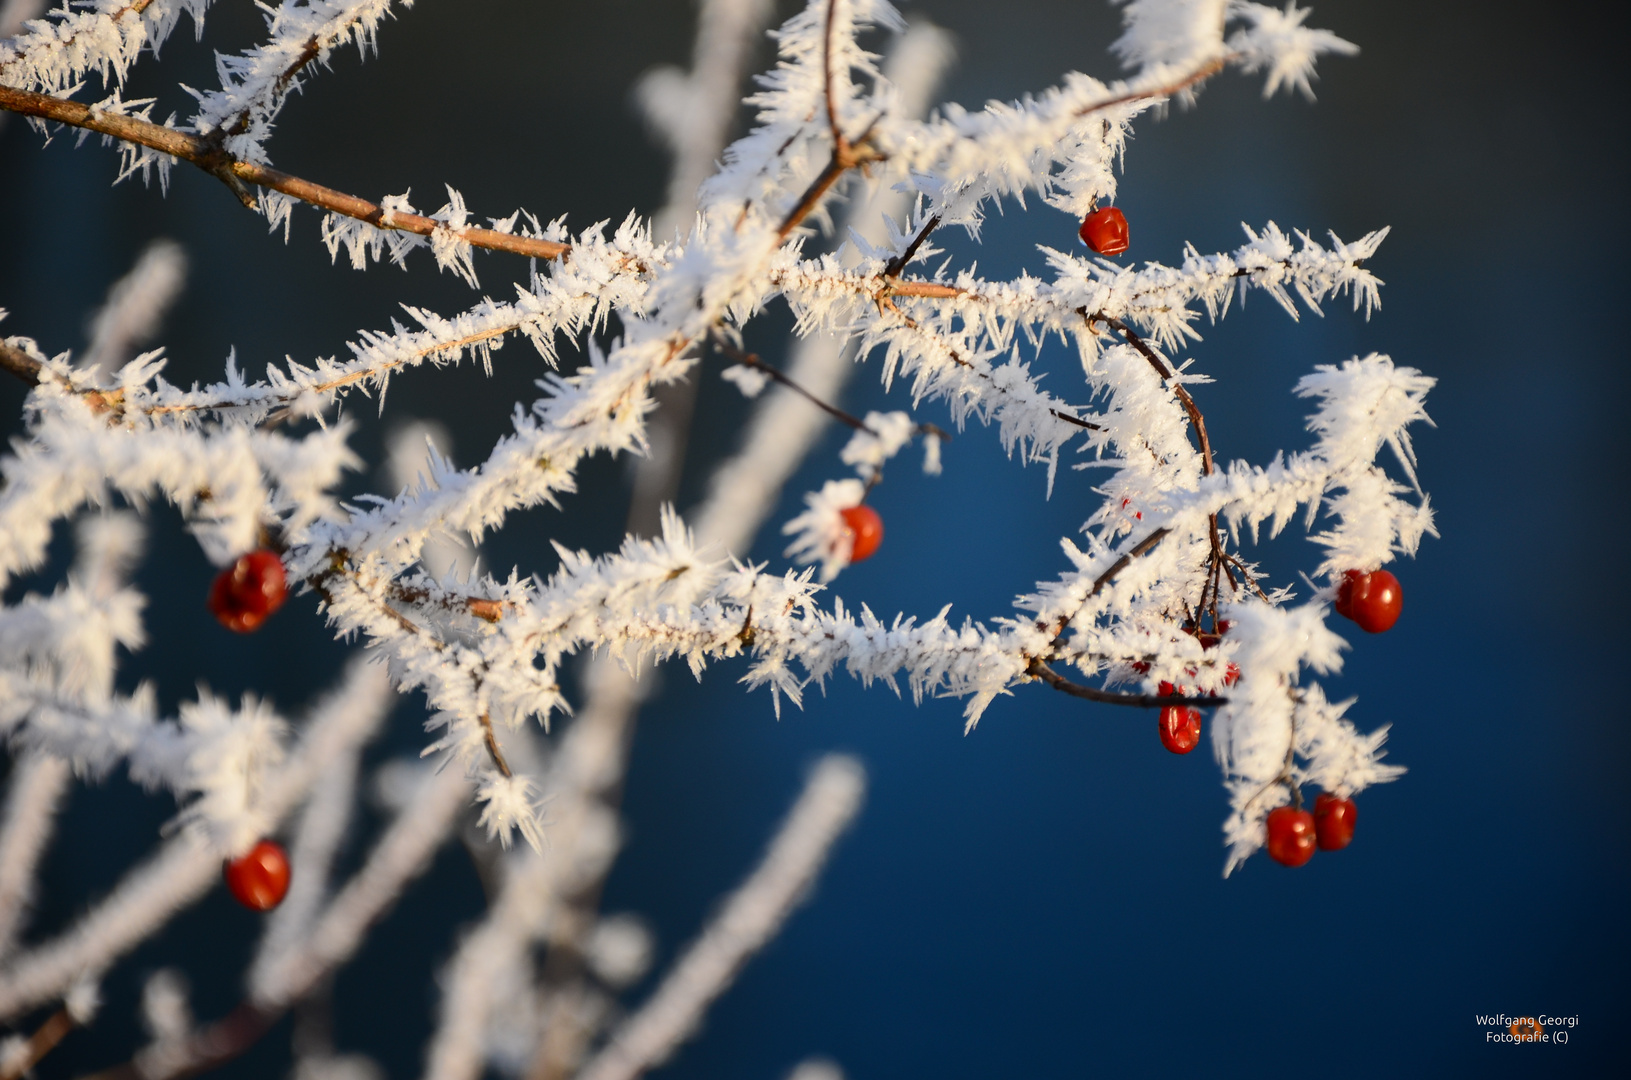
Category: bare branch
<point>1041,670</point>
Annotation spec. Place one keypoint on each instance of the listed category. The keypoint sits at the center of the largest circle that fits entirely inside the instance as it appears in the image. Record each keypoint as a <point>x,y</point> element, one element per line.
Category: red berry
<point>865,529</point>
<point>1372,600</point>
<point>1105,231</point>
<point>1180,728</point>
<point>248,591</point>
<point>259,878</point>
<point>1290,836</point>
<point>1231,674</point>
<point>1334,820</point>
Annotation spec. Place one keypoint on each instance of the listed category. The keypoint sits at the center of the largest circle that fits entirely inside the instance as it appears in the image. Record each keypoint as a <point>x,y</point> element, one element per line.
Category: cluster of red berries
<point>259,878</point>
<point>1105,231</point>
<point>865,529</point>
<point>1294,833</point>
<point>247,592</point>
<point>1372,600</point>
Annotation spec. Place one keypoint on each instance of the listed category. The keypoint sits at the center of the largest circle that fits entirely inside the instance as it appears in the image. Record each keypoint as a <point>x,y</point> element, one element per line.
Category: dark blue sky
<point>1042,897</point>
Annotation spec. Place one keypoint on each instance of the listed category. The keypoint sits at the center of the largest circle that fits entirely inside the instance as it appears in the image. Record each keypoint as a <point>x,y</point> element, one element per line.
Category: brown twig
<point>1217,563</point>
<point>1196,421</point>
<point>898,263</point>
<point>41,1043</point>
<point>1138,549</point>
<point>210,1048</point>
<point>885,302</point>
<point>308,53</point>
<point>752,360</point>
<point>135,7</point>
<point>203,152</point>
<point>1040,670</point>
<point>492,746</point>
<point>20,364</point>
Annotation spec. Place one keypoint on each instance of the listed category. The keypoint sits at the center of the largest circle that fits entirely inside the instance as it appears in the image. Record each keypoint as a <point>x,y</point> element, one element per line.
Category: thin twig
<point>203,152</point>
<point>20,364</point>
<point>1128,556</point>
<point>207,1049</point>
<point>898,263</point>
<point>1040,670</point>
<point>752,360</point>
<point>1196,421</point>
<point>492,746</point>
<point>41,1043</point>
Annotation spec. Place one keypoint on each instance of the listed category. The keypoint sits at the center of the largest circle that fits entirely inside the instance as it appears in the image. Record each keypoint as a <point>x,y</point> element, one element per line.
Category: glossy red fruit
<point>259,878</point>
<point>1334,820</point>
<point>1105,231</point>
<point>865,528</point>
<point>1180,728</point>
<point>248,591</point>
<point>1290,836</point>
<point>1372,600</point>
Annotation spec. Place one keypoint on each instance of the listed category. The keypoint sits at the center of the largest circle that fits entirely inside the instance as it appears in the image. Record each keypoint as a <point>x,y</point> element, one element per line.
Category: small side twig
<point>899,262</point>
<point>42,1042</point>
<point>1196,420</point>
<point>752,360</point>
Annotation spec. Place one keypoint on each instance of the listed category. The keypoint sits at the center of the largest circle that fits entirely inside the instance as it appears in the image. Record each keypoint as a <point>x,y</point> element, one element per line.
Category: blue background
<point>1042,897</point>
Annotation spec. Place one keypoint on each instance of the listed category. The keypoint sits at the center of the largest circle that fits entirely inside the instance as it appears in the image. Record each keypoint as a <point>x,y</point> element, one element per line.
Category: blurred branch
<point>42,1042</point>
<point>750,918</point>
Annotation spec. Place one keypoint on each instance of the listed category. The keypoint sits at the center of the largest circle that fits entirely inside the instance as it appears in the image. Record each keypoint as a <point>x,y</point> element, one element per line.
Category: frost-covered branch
<point>36,787</point>
<point>1157,605</point>
<point>255,84</point>
<point>188,864</point>
<point>162,145</point>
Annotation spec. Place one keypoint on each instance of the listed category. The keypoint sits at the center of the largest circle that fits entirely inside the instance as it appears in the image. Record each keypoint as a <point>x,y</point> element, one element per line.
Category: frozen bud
<point>750,381</point>
<point>816,1068</point>
<point>83,999</point>
<point>165,1010</point>
<point>14,1055</point>
<point>619,950</point>
<point>338,1067</point>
